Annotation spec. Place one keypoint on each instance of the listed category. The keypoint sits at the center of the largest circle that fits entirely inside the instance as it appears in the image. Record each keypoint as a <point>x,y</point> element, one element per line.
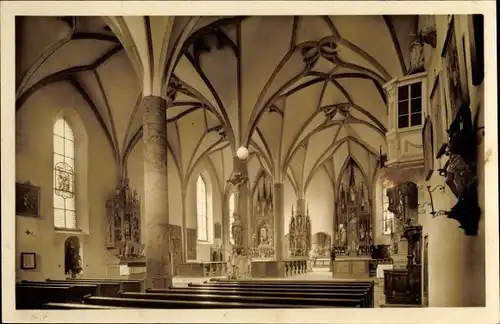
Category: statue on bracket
<point>237,231</point>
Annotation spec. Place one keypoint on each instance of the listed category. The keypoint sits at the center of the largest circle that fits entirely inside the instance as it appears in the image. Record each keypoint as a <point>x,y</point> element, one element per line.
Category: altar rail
<point>205,269</point>
<point>297,267</point>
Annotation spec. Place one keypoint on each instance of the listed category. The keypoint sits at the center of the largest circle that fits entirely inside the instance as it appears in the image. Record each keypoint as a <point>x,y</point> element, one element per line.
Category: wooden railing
<point>297,267</point>
<point>203,269</point>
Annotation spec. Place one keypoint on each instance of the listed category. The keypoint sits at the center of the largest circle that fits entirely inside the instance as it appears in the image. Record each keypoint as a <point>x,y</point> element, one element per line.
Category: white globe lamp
<point>242,153</point>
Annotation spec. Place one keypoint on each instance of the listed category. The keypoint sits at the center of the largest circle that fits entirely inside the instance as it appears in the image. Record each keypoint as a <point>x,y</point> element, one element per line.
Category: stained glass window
<point>388,217</point>
<point>64,176</point>
<point>201,205</point>
<point>231,217</point>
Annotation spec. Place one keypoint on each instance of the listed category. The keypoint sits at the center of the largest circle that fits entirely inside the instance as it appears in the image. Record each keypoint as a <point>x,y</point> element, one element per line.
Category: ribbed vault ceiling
<point>302,92</point>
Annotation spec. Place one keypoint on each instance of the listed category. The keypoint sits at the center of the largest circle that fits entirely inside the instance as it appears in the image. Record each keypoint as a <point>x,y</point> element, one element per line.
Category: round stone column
<point>157,249</point>
<point>279,221</point>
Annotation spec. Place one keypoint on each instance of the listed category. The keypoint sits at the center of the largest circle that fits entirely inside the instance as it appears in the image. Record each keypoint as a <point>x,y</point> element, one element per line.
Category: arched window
<point>231,205</point>
<point>388,217</point>
<point>202,210</point>
<point>64,176</point>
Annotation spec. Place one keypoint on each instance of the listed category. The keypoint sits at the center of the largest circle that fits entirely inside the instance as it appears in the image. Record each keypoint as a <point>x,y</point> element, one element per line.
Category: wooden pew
<point>318,288</point>
<point>178,304</point>
<point>79,290</point>
<point>109,289</point>
<point>34,297</point>
<point>369,284</point>
<point>278,301</point>
<point>342,294</point>
<point>128,285</point>
<point>290,282</point>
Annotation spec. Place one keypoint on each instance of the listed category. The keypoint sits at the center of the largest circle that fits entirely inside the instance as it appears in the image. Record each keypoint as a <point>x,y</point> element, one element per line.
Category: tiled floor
<point>317,274</point>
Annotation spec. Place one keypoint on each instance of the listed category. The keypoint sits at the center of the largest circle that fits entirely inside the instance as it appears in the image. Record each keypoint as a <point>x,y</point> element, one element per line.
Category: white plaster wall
<point>34,163</point>
<point>456,262</point>
<point>320,199</point>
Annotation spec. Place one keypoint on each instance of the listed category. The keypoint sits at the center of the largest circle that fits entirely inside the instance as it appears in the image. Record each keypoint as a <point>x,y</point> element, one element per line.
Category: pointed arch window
<point>231,206</point>
<point>202,210</point>
<point>64,176</point>
<point>387,216</point>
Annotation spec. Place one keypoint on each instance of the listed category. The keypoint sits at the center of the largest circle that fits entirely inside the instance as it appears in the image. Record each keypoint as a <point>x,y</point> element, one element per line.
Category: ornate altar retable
<point>123,233</point>
<point>354,238</point>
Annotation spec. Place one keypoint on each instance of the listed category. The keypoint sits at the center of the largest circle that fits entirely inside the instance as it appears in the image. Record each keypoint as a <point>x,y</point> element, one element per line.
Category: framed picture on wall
<point>27,200</point>
<point>438,118</point>
<point>476,33</point>
<point>428,148</point>
<point>28,261</point>
<point>454,74</point>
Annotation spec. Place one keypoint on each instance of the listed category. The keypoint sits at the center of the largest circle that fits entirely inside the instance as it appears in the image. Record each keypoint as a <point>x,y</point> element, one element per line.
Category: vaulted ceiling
<point>302,92</point>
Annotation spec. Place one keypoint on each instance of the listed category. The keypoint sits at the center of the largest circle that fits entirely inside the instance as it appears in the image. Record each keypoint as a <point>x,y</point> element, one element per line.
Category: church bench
<point>278,301</point>
<point>33,297</point>
<point>293,282</point>
<point>129,285</point>
<point>368,289</point>
<point>53,305</point>
<point>108,289</point>
<point>78,289</point>
<point>178,304</point>
<point>345,294</point>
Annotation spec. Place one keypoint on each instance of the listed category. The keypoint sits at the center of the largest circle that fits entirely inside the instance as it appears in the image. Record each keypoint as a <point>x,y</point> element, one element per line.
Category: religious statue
<point>237,230</point>
<point>126,227</point>
<point>264,238</point>
<point>341,236</point>
<point>72,259</point>
<point>362,232</point>
<point>353,234</point>
<point>417,56</point>
<point>352,194</point>
<point>135,226</point>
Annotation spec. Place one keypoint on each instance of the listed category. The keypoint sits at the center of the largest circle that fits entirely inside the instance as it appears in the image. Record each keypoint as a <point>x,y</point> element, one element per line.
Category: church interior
<point>249,161</point>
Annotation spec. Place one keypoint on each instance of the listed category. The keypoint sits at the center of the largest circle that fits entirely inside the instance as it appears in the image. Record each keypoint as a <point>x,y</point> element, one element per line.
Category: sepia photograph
<point>280,162</point>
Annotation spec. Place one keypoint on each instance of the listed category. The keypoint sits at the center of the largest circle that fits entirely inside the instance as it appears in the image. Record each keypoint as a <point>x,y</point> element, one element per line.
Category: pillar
<point>301,206</point>
<point>243,203</point>
<point>158,254</point>
<point>242,258</point>
<point>279,220</point>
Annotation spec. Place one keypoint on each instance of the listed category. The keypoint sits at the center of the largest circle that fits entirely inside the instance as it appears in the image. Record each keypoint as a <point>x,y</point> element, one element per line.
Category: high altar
<point>264,263</point>
<point>354,236</point>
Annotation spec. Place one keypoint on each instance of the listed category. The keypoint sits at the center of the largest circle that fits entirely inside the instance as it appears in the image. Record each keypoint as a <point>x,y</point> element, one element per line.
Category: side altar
<point>353,245</point>
<point>123,234</point>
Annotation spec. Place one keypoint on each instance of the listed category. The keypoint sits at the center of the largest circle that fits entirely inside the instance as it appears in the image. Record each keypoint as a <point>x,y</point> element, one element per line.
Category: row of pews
<point>216,293</point>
